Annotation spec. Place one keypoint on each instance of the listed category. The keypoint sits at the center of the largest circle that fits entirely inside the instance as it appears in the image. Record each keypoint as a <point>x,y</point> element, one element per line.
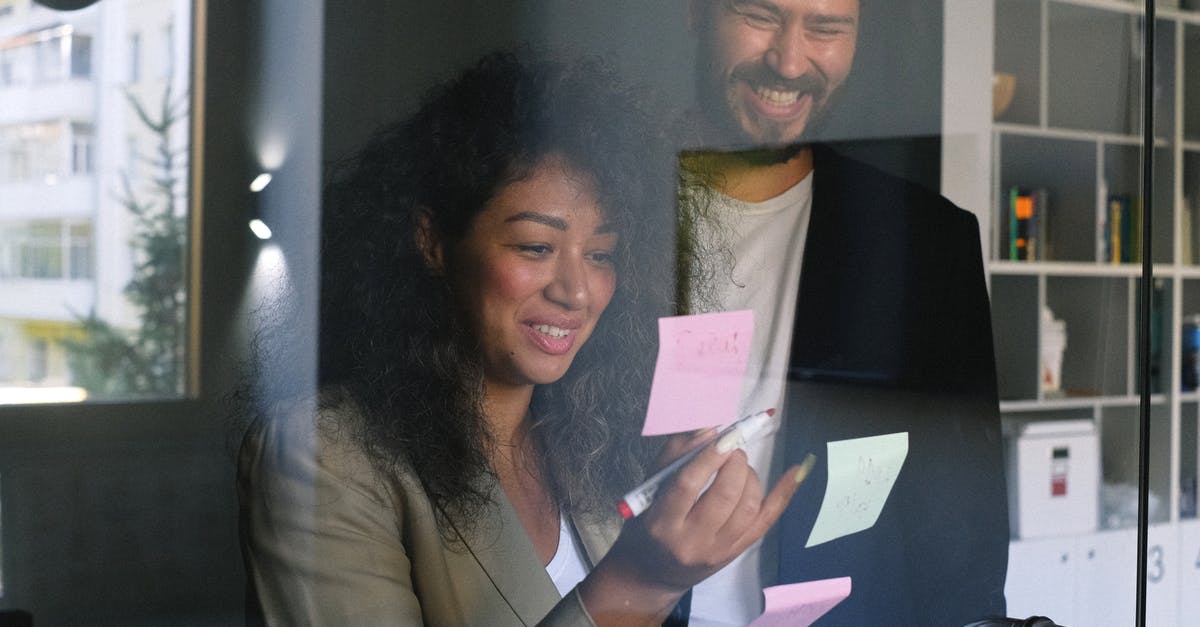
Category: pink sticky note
<point>801,604</point>
<point>698,377</point>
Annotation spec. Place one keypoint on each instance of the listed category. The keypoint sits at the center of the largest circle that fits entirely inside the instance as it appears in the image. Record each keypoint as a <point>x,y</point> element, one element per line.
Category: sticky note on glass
<point>698,376</point>
<point>862,472</point>
<point>801,604</point>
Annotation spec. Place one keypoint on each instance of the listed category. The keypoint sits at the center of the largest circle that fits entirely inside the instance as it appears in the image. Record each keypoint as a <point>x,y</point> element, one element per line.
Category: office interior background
<point>117,496</point>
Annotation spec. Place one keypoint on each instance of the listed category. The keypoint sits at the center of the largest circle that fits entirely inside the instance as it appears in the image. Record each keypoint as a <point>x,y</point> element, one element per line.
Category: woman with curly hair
<point>492,268</point>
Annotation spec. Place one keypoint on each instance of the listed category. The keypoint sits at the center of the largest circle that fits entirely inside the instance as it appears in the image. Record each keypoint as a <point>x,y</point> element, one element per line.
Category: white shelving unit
<point>1074,129</point>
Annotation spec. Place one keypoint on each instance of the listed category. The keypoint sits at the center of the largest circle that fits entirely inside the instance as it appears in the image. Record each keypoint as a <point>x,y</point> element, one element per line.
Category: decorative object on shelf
<point>1004,86</point>
<point>1189,375</point>
<point>1053,477</point>
<point>1052,335</point>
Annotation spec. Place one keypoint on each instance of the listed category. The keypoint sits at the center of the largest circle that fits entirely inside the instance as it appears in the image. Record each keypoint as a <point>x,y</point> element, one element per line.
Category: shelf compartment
<point>1123,175</point>
<point>1191,82</point>
<point>1015,328</point>
<point>1017,52</point>
<point>1189,235</point>
<point>1066,169</point>
<point>1119,453</point>
<point>1094,70</point>
<point>1189,453</point>
<point>1097,312</point>
<point>1163,337</point>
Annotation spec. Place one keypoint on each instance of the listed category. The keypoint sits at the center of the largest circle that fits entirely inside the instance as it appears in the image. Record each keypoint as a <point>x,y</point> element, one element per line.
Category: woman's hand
<point>688,534</point>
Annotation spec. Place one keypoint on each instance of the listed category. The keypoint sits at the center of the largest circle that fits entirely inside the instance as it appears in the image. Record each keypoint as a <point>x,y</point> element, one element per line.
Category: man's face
<point>768,67</point>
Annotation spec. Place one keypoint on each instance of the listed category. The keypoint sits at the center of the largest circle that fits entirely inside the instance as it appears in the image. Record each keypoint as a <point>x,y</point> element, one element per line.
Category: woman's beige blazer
<point>329,541</point>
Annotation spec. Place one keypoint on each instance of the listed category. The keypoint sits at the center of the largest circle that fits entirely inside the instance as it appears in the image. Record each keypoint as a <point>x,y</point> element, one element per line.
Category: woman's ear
<point>428,242</point>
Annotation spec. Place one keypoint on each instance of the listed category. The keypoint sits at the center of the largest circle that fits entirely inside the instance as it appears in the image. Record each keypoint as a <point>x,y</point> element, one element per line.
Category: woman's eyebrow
<point>540,218</point>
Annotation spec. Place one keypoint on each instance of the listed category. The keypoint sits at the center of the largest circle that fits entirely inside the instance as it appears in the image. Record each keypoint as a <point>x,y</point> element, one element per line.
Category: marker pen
<point>732,436</point>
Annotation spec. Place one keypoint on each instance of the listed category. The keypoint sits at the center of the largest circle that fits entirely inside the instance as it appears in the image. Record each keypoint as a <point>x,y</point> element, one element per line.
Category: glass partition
<point>937,211</point>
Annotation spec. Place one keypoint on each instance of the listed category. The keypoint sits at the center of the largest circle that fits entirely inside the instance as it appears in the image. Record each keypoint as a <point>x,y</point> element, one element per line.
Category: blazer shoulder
<point>851,182</point>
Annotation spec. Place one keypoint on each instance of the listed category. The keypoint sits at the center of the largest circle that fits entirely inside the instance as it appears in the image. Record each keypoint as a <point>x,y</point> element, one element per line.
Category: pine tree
<point>112,362</point>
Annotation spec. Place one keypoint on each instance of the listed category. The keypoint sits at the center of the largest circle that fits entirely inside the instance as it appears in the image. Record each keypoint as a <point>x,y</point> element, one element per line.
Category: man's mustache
<point>760,75</point>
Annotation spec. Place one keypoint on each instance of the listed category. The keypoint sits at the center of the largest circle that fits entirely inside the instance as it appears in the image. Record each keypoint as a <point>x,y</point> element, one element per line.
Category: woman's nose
<point>569,285</point>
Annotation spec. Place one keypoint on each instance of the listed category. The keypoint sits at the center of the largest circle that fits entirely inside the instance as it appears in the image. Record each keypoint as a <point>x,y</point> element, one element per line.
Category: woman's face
<point>535,271</point>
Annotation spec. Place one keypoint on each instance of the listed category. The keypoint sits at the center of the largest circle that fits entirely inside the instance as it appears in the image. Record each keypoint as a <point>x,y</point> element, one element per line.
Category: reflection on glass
<point>93,200</point>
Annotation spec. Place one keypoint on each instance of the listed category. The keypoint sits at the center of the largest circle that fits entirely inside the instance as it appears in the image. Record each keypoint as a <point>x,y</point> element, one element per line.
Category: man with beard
<point>871,318</point>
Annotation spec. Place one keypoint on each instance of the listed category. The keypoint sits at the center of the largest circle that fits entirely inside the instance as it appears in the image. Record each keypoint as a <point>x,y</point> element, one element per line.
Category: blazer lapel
<point>504,551</point>
<point>852,284</point>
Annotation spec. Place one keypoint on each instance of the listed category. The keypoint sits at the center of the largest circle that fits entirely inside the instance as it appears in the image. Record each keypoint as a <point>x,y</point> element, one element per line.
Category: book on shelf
<point>1123,229</point>
<point>1026,235</point>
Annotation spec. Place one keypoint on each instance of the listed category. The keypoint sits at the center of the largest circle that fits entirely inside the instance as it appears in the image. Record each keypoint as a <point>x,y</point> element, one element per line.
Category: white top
<point>767,242</point>
<point>568,567</point>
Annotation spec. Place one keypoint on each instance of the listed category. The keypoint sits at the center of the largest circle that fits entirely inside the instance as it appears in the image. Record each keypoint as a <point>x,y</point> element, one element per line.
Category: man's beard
<point>716,98</point>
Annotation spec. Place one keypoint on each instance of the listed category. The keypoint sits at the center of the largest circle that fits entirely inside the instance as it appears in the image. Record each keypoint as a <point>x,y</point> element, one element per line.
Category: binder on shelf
<point>1123,229</point>
<point>1026,224</point>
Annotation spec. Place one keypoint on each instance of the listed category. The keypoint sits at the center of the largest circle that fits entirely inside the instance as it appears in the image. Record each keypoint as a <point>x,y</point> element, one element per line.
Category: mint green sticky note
<point>862,472</point>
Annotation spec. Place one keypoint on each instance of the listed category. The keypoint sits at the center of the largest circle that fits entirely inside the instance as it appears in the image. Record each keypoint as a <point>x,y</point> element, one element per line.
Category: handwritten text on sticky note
<point>801,604</point>
<point>698,376</point>
<point>862,472</point>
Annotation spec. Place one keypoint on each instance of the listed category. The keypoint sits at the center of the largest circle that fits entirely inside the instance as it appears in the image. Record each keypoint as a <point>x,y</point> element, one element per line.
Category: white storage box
<point>1053,478</point>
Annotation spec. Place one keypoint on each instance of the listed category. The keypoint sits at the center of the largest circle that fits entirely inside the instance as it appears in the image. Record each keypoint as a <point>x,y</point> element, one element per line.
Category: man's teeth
<point>546,329</point>
<point>777,97</point>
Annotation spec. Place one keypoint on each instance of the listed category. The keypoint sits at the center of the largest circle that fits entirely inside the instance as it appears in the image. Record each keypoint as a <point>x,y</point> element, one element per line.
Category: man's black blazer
<point>893,333</point>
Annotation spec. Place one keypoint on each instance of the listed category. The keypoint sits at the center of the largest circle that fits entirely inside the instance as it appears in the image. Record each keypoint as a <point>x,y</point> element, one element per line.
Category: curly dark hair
<point>391,336</point>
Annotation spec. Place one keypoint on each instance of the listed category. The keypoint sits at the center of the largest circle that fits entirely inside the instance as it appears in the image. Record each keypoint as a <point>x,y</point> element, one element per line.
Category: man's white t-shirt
<point>766,240</point>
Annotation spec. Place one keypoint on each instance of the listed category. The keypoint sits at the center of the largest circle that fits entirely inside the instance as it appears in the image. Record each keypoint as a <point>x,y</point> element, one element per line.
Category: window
<point>7,76</point>
<point>135,58</point>
<point>82,142</point>
<point>93,245</point>
<point>48,57</point>
<point>31,151</point>
<point>81,56</point>
<point>168,55</point>
<point>79,251</point>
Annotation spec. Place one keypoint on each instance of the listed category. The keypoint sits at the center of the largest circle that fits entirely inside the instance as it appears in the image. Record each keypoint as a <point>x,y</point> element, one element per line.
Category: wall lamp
<point>257,225</point>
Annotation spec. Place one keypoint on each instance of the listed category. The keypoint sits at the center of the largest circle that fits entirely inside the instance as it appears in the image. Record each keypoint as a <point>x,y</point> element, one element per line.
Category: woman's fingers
<point>714,507</point>
<point>679,445</point>
<point>680,494</point>
<point>775,503</point>
<point>747,508</point>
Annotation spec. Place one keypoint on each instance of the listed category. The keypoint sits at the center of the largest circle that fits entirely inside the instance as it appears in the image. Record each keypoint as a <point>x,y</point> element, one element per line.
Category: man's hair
<point>393,338</point>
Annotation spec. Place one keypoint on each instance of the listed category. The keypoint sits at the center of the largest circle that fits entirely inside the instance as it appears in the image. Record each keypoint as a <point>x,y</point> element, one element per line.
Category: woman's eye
<point>537,250</point>
<point>602,257</point>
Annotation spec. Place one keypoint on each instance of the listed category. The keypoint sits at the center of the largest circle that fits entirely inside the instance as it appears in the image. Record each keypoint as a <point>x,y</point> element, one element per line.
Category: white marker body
<point>732,436</point>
